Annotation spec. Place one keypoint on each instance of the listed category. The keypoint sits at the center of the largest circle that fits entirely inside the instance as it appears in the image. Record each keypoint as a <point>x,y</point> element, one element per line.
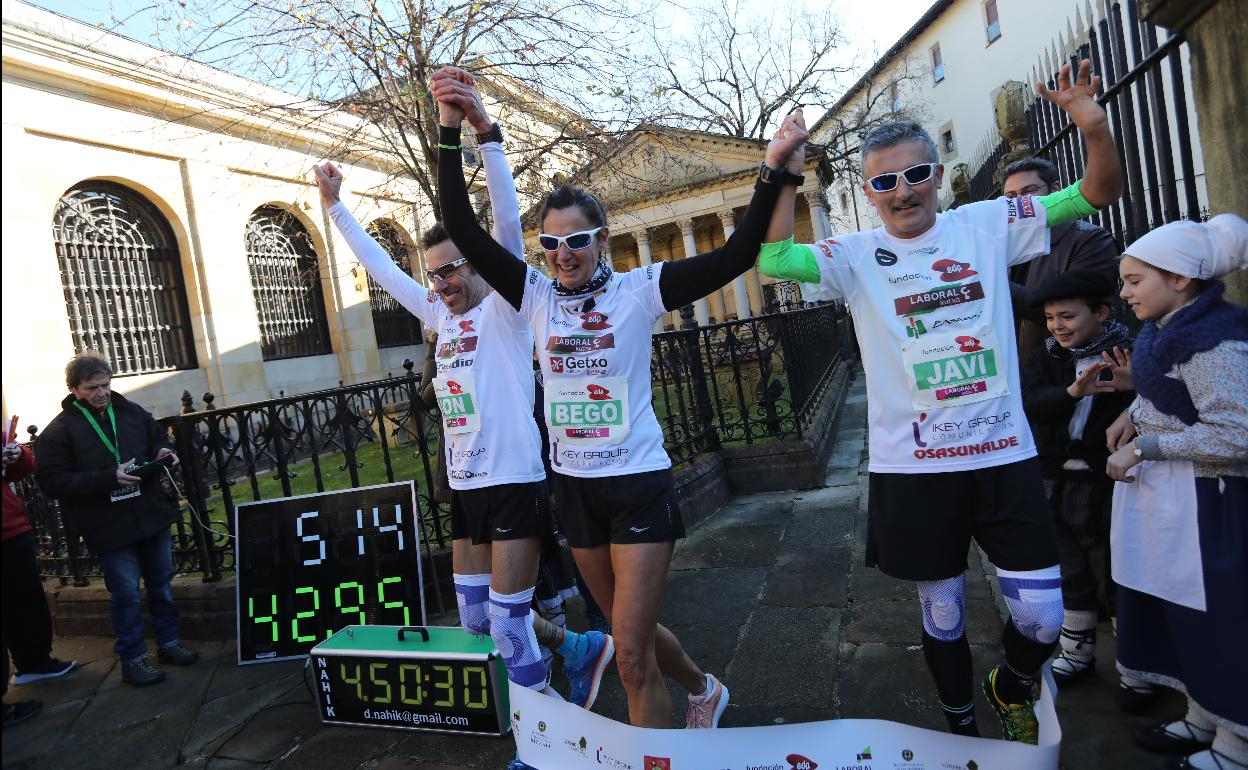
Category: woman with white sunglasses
<point>612,478</point>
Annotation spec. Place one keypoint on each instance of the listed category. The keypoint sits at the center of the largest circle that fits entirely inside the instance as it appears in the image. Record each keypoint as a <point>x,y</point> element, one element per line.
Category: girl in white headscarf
<point>1179,536</point>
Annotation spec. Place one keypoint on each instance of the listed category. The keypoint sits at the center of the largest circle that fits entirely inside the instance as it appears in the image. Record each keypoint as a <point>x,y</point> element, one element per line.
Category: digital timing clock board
<point>437,679</point>
<point>312,564</point>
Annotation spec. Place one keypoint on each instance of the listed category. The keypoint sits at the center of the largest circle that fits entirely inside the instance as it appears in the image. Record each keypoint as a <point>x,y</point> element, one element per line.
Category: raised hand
<point>329,182</point>
<point>1120,365</point>
<point>1087,383</point>
<point>460,88</point>
<point>1078,100</point>
<point>788,148</point>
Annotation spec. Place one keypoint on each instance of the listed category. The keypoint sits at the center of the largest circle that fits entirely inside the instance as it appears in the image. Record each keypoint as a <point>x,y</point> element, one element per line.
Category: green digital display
<point>424,682</point>
<point>310,565</point>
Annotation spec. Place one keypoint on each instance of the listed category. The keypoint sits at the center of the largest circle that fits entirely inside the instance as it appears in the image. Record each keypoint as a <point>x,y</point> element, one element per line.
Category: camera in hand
<point>149,468</point>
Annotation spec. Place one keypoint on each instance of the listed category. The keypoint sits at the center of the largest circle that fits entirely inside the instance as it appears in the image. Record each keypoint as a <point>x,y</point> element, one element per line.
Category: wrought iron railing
<point>762,379</point>
<point>782,296</point>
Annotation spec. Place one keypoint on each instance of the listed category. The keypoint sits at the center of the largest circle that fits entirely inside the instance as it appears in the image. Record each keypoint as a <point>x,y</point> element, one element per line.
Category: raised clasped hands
<point>1078,99</point>
<point>788,147</point>
<point>458,99</point>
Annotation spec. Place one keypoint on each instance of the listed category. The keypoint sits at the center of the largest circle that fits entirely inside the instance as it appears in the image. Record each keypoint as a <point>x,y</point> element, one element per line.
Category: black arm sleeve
<point>686,280</point>
<point>497,266</point>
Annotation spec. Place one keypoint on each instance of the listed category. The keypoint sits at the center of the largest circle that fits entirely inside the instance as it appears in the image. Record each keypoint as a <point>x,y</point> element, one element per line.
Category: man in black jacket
<point>1074,386</point>
<point>125,519</point>
<point>1074,245</point>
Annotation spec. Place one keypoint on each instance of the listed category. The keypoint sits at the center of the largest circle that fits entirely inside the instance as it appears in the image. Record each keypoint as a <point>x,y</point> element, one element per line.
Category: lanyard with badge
<point>120,493</point>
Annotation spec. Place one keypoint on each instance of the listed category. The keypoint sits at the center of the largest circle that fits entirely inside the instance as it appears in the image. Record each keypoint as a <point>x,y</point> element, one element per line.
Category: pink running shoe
<point>706,709</point>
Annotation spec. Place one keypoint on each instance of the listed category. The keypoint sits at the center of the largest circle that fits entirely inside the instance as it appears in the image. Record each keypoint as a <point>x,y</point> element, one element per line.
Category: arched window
<point>122,276</point>
<point>392,323</point>
<point>286,281</point>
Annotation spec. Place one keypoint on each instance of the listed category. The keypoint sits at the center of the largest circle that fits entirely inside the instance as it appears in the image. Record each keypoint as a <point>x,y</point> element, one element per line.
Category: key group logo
<point>611,761</point>
<point>918,433</point>
<point>594,321</point>
<point>952,270</point>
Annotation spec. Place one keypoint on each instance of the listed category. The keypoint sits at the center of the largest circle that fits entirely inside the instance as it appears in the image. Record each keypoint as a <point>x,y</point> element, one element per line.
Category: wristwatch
<point>495,134</point>
<point>780,176</point>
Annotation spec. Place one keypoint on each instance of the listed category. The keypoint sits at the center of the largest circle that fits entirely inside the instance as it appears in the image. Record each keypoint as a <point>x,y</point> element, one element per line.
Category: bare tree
<point>374,59</point>
<point>746,66</point>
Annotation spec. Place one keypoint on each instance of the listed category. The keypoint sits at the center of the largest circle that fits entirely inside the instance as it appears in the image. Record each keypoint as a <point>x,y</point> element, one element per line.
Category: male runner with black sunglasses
<point>952,456</point>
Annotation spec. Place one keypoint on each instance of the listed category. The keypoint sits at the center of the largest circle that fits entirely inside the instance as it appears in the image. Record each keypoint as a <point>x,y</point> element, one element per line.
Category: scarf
<point>1200,325</point>
<point>1113,334</point>
<point>602,274</point>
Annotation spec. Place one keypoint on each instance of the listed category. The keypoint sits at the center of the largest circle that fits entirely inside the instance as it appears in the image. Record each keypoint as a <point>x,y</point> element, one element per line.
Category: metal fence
<point>762,379</point>
<point>1145,93</point>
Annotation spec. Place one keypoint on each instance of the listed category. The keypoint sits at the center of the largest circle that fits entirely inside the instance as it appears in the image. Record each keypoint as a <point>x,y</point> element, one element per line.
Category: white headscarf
<point>1194,250</point>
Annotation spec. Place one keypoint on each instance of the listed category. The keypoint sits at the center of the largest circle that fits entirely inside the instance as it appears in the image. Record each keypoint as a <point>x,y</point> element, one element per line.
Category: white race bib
<point>587,410</point>
<point>952,368</point>
<point>457,399</point>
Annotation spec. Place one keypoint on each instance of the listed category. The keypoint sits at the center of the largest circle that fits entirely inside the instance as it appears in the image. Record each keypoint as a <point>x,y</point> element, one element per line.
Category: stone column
<point>818,214</point>
<point>700,310</point>
<point>643,246</point>
<point>739,292</point>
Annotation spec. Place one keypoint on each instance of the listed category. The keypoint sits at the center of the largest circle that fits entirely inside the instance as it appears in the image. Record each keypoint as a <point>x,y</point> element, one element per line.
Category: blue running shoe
<point>585,673</point>
<point>516,764</point>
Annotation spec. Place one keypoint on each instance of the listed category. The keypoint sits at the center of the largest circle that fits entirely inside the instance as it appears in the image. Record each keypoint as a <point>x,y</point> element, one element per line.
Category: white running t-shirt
<point>936,329</point>
<point>485,373</point>
<point>596,371</point>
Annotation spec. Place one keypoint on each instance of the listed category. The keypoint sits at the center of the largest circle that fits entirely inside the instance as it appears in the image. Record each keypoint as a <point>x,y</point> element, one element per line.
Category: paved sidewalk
<point>769,593</point>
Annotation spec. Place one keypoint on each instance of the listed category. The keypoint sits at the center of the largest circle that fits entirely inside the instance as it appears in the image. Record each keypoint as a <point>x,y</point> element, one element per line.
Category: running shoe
<point>1018,720</point>
<point>516,764</point>
<point>51,669</point>
<point>585,673</point>
<point>705,710</point>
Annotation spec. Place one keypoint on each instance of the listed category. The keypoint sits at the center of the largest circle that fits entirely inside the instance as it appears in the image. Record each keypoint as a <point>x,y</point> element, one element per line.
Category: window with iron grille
<point>392,322</point>
<point>286,282</point>
<point>122,276</point>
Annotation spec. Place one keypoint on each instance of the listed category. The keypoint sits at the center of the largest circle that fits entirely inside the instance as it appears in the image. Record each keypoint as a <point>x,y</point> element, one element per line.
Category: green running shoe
<point>1018,720</point>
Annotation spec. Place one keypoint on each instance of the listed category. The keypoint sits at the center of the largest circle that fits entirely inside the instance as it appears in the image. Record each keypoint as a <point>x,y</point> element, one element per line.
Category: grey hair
<point>891,134</point>
<point>85,366</point>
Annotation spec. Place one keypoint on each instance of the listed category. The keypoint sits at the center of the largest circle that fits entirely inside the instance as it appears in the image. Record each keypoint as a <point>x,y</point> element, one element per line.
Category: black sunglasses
<point>915,175</point>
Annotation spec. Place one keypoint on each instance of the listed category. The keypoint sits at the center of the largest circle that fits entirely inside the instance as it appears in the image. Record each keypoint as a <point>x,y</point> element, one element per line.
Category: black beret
<point>1075,284</point>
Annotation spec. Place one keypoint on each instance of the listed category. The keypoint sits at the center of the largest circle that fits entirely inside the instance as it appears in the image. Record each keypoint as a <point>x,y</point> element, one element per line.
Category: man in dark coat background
<point>1075,245</point>
<point>84,455</point>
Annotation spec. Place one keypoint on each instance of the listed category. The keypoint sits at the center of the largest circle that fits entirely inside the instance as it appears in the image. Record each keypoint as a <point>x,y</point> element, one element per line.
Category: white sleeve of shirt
<point>836,275</point>
<point>536,299</point>
<point>1027,229</point>
<point>504,205</point>
<point>648,290</point>
<point>405,289</point>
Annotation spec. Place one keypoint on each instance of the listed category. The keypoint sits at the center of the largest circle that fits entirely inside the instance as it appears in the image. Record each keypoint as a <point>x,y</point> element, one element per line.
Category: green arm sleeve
<point>1067,205</point>
<point>786,259</point>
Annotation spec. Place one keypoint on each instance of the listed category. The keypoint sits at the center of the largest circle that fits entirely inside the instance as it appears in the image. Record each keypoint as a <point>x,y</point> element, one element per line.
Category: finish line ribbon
<point>551,734</point>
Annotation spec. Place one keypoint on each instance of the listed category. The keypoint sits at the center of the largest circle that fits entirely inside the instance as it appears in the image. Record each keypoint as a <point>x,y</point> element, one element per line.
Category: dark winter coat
<point>1072,246</point>
<point>1049,409</point>
<point>77,470</point>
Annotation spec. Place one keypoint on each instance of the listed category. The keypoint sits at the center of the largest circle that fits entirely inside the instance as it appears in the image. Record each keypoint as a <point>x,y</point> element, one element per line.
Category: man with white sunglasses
<point>951,454</point>
<point>499,500</point>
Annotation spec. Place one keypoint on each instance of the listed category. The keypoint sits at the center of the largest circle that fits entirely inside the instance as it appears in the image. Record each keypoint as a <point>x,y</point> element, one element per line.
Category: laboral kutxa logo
<point>862,761</point>
<point>577,343</point>
<point>934,299</point>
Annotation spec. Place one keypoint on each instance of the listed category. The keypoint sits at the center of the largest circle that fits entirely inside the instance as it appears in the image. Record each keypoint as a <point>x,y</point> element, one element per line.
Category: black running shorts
<point>920,525</point>
<point>636,508</point>
<point>501,512</point>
